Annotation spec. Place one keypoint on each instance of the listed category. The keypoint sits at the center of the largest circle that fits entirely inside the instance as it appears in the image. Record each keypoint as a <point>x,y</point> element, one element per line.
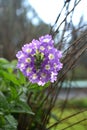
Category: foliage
<point>12,95</point>
<point>77,103</point>
<point>14,91</point>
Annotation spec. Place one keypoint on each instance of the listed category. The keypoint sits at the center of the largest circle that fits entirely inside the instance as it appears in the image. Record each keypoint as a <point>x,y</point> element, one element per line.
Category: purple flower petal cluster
<point>39,60</point>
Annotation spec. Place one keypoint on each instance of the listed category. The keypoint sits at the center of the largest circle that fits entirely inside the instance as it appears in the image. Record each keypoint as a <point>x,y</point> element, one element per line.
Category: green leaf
<point>36,87</point>
<point>3,61</point>
<point>10,77</point>
<point>4,105</point>
<point>2,121</point>
<point>14,93</point>
<point>21,77</point>
<point>11,121</point>
<point>22,107</point>
<point>8,66</point>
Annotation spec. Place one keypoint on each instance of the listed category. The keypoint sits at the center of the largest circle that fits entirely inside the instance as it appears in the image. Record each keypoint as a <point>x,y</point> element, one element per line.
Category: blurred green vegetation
<point>72,106</point>
<point>12,95</point>
<point>74,103</point>
<point>14,92</point>
<point>78,73</point>
<point>67,112</point>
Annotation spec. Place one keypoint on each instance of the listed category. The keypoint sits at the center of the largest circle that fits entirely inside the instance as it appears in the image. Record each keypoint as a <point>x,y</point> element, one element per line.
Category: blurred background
<point>23,20</point>
<point>19,24</point>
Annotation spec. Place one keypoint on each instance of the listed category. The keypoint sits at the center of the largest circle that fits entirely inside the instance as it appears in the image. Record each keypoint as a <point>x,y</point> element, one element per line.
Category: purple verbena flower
<point>40,60</point>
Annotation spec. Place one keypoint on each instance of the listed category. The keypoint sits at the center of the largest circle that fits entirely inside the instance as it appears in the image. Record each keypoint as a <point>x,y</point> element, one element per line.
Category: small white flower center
<point>28,60</point>
<point>47,67</point>
<point>42,48</point>
<point>43,75</point>
<point>51,56</point>
<point>46,40</point>
<point>55,65</point>
<point>49,47</point>
<point>28,70</point>
<point>22,65</point>
<point>28,50</point>
<point>34,76</point>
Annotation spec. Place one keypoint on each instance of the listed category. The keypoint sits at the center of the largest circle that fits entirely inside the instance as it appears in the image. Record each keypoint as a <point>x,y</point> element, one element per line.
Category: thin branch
<point>74,124</point>
<point>71,56</point>
<point>65,18</point>
<point>57,18</point>
<point>66,118</point>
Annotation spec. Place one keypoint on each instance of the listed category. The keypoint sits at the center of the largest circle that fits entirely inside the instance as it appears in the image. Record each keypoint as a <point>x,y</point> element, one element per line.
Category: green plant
<point>12,95</point>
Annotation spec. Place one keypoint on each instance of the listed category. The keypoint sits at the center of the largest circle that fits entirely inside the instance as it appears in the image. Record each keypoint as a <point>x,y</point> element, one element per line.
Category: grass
<point>76,122</point>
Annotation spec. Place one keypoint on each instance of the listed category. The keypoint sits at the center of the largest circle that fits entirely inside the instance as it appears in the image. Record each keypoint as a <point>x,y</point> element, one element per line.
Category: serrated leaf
<point>14,93</point>
<point>22,107</point>
<point>10,77</point>
<point>11,120</point>
<point>4,105</point>
<point>21,77</point>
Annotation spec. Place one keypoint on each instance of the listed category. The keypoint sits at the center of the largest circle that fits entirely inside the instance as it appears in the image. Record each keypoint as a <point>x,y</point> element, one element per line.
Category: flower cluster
<point>39,60</point>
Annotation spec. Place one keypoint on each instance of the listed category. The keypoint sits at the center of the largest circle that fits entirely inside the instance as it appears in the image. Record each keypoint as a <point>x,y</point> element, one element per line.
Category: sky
<point>48,10</point>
